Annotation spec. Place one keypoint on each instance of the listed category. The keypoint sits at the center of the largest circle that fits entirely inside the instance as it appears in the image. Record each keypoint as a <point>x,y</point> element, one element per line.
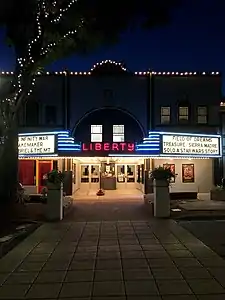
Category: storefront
<point>119,165</point>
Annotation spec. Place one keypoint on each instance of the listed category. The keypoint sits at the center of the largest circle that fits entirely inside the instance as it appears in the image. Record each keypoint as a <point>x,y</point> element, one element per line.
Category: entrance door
<point>44,167</point>
<point>90,177</point>
<point>126,176</point>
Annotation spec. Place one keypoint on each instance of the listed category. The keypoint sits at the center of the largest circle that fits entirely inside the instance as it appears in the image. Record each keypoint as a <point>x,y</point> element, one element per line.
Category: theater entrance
<point>120,175</point>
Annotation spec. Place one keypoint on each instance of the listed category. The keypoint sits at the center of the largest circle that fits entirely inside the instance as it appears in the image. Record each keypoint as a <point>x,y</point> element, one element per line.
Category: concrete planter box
<point>54,206</point>
<point>217,195</point>
<point>161,199</point>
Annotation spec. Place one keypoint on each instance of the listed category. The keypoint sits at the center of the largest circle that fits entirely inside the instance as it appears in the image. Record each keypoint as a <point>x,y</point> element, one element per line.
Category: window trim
<point>118,134</point>
<point>165,115</point>
<point>202,115</point>
<point>181,116</point>
<point>95,134</point>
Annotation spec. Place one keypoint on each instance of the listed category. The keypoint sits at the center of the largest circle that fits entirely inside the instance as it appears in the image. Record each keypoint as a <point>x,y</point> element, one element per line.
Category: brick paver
<point>132,260</point>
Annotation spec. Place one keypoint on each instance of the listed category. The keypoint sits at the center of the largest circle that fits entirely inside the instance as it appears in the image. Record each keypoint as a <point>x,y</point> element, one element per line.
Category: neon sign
<point>107,147</point>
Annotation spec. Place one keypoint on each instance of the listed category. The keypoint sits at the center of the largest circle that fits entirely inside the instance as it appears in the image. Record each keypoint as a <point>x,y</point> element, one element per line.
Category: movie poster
<point>172,169</point>
<point>188,174</point>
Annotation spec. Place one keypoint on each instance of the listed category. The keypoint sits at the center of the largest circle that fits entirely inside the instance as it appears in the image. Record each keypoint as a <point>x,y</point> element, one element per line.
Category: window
<point>96,133</point>
<point>183,113</point>
<point>202,115</point>
<point>50,114</point>
<point>165,115</point>
<point>118,133</point>
<point>32,113</point>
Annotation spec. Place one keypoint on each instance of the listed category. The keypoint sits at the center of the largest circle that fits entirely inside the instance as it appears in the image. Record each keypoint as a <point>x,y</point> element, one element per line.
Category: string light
<point>108,62</point>
<point>62,11</point>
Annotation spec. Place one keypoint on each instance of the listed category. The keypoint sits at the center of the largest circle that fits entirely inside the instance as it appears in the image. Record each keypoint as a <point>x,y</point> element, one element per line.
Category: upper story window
<point>165,115</point>
<point>50,114</point>
<point>96,133</point>
<point>202,114</point>
<point>118,133</point>
<point>183,113</point>
<point>32,113</point>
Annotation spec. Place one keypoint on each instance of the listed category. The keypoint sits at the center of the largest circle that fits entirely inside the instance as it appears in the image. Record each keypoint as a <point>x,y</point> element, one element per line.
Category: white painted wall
<point>203,169</point>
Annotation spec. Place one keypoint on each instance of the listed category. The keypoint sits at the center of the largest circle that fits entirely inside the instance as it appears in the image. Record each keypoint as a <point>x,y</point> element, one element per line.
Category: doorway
<point>126,176</point>
<point>90,177</point>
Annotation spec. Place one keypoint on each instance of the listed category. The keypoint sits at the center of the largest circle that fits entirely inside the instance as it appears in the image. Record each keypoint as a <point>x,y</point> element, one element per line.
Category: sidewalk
<point>112,260</point>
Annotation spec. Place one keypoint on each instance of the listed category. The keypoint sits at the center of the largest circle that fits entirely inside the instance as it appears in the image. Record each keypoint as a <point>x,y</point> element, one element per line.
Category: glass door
<point>126,176</point>
<point>94,177</point>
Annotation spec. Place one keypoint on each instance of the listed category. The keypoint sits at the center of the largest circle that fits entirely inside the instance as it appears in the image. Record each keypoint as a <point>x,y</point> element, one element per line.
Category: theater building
<point>108,127</point>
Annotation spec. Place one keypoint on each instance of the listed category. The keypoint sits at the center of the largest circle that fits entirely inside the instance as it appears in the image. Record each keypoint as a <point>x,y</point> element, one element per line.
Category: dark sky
<point>194,41</point>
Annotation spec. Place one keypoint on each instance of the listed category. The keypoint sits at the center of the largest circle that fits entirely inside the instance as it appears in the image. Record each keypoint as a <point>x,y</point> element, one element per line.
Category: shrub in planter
<point>55,178</point>
<point>161,173</point>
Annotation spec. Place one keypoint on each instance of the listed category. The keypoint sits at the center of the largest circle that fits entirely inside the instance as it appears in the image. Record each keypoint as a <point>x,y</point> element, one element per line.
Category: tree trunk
<point>9,171</point>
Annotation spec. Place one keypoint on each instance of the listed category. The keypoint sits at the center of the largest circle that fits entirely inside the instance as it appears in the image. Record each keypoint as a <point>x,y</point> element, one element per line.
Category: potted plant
<point>54,207</point>
<point>161,180</point>
<point>54,179</point>
<point>218,193</point>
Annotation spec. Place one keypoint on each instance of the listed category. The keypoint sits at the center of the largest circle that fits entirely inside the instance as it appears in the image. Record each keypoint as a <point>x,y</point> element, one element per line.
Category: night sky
<point>194,41</point>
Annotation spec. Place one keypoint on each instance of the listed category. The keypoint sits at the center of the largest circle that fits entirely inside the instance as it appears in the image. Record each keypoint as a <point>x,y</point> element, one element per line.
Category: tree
<point>42,31</point>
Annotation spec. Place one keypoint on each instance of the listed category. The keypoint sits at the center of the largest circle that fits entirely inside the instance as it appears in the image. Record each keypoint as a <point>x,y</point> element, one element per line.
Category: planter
<point>161,199</point>
<point>217,195</point>
<point>54,206</point>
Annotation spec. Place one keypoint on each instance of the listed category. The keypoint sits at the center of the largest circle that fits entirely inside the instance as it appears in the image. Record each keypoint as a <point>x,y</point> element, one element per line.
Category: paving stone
<point>30,267</point>
<point>19,278</point>
<point>187,262</point>
<point>152,247</point>
<point>56,266</point>
<point>108,275</point>
<point>173,287</point>
<point>180,253</point>
<point>76,289</point>
<point>82,265</point>
<point>76,276</point>
<point>137,274</point>
<point>170,247</point>
<point>50,277</point>
<point>215,262</point>
<point>13,291</point>
<point>211,297</point>
<point>38,291</point>
<point>144,298</point>
<point>108,255</point>
<point>179,297</point>
<point>108,288</point>
<point>195,273</point>
<point>156,254</point>
<point>140,288</point>
<point>134,264</point>
<point>108,264</point>
<point>160,262</point>
<point>107,298</point>
<point>84,256</point>
<point>166,273</point>
<point>205,286</point>
<point>130,248</point>
<point>132,254</point>
<point>37,257</point>
<point>3,277</point>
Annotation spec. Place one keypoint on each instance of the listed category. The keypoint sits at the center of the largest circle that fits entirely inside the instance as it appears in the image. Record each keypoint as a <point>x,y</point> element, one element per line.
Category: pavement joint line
<point>146,259</point>
<point>96,259</point>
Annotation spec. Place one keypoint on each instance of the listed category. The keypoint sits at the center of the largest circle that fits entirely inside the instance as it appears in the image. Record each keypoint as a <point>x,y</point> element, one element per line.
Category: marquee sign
<point>190,145</point>
<point>36,144</point>
<point>109,147</point>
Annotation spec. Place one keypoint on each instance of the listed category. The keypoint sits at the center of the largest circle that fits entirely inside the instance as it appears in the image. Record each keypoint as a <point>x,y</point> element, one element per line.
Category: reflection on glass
<point>120,173</point>
<point>95,173</point>
<point>84,173</point>
<point>130,173</point>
